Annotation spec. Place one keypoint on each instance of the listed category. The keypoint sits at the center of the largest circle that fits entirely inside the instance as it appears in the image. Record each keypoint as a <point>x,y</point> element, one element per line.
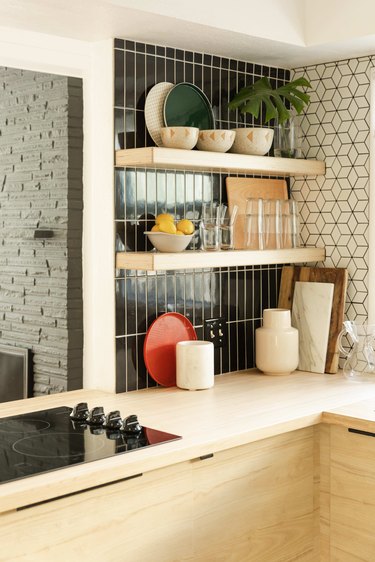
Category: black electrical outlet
<point>215,330</point>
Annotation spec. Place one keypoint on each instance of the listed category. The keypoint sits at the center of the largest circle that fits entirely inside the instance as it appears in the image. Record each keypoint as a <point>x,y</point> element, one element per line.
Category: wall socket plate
<point>215,330</point>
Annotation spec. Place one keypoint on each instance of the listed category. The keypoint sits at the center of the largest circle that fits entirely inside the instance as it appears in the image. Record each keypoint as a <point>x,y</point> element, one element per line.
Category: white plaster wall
<point>279,20</point>
<point>93,62</point>
<point>338,20</point>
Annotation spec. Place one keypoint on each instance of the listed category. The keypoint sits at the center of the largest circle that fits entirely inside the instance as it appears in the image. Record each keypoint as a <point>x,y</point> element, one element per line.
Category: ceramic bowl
<point>169,242</point>
<point>215,140</point>
<point>252,140</point>
<point>179,137</point>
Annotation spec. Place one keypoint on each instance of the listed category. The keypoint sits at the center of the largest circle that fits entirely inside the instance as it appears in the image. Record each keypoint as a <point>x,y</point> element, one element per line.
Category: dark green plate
<point>187,106</point>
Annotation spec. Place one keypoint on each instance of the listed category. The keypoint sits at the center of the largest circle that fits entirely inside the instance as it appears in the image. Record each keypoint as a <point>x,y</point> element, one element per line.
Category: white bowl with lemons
<point>167,236</point>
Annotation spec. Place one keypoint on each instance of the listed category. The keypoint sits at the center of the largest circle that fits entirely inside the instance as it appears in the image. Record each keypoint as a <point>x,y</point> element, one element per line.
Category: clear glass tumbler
<point>209,227</point>
<point>226,234</point>
<point>294,211</point>
<point>272,224</point>
<point>254,224</point>
<point>286,224</point>
<point>290,226</point>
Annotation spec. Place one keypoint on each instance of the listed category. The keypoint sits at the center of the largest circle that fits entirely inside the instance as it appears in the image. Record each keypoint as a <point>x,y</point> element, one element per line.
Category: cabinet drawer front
<point>147,519</point>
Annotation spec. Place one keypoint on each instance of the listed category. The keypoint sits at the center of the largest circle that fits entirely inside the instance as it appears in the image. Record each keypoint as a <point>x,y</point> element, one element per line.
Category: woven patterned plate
<point>154,110</point>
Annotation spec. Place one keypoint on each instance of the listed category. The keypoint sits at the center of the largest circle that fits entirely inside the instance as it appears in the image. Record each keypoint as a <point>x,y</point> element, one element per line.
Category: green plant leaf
<point>297,82</point>
<point>295,102</point>
<point>282,112</point>
<point>250,98</point>
<point>304,97</point>
<point>271,110</point>
<point>252,106</point>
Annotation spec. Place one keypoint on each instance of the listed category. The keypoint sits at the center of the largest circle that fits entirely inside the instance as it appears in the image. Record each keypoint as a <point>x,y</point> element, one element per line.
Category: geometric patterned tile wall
<point>334,207</point>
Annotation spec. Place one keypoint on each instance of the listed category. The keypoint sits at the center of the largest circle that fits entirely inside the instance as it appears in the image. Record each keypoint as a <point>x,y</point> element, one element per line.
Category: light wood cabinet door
<point>258,502</point>
<point>146,519</point>
<point>352,496</point>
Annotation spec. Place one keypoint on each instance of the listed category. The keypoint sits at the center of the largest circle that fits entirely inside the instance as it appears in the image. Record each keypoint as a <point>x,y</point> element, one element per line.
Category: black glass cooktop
<point>49,440</point>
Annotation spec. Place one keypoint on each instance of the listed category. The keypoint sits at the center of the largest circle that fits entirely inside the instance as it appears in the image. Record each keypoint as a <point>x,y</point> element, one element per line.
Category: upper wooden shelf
<point>198,259</point>
<point>176,159</point>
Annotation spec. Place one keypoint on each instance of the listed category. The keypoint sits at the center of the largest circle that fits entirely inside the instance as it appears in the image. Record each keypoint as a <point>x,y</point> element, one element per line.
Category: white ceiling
<point>286,33</point>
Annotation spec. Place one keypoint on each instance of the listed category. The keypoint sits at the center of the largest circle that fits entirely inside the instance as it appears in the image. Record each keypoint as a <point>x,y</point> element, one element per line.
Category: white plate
<point>154,108</point>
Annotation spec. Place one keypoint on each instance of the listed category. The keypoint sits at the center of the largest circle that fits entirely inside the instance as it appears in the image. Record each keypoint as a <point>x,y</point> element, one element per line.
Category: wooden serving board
<point>241,189</point>
<point>337,276</point>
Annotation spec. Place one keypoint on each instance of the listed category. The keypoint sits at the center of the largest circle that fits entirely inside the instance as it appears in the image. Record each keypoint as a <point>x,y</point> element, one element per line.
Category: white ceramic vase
<point>276,343</point>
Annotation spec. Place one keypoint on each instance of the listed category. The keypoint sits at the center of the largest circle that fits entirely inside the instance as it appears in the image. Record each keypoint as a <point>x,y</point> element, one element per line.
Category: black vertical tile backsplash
<point>237,294</point>
<point>120,364</point>
<point>119,77</point>
<point>129,79</point>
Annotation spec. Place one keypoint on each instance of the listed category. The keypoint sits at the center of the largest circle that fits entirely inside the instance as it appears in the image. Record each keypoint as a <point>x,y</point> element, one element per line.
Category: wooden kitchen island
<point>266,471</point>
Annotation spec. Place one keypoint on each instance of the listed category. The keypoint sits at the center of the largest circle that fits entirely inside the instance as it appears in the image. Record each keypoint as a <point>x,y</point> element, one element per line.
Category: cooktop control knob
<point>80,412</point>
<point>97,416</point>
<point>131,424</point>
<point>113,420</point>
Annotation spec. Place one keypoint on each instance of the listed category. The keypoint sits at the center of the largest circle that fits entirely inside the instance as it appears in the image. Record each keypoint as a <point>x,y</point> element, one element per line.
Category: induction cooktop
<point>52,439</point>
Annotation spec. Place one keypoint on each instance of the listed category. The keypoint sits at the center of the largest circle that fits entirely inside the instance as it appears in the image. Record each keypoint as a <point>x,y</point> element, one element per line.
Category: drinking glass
<point>254,224</point>
<point>227,222</point>
<point>294,211</point>
<point>272,224</point>
<point>286,224</point>
<point>226,234</point>
<point>209,227</point>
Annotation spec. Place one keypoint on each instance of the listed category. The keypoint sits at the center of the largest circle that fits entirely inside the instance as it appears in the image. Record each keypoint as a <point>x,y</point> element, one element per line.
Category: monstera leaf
<point>250,99</point>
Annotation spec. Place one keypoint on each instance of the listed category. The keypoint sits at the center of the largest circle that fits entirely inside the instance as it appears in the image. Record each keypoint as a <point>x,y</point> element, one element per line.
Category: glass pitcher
<point>360,358</point>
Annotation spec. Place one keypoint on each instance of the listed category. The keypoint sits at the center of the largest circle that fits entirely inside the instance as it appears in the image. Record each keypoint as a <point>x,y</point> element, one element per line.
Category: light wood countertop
<point>360,415</point>
<point>242,407</point>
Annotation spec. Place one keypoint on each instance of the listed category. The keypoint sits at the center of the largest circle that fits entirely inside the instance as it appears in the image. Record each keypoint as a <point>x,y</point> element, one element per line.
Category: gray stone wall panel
<point>41,188</point>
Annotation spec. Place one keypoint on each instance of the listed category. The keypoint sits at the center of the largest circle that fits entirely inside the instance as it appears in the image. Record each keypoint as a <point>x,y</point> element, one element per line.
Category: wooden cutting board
<point>337,276</point>
<point>241,189</point>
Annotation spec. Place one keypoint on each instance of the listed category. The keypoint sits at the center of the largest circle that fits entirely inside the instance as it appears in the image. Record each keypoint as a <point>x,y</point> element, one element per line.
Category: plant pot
<point>252,140</point>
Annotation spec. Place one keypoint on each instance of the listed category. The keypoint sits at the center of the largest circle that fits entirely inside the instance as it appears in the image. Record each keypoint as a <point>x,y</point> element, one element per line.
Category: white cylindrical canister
<point>276,343</point>
<point>195,364</point>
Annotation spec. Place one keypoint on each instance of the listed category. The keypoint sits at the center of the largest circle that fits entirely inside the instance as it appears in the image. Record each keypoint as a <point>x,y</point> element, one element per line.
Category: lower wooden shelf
<point>198,259</point>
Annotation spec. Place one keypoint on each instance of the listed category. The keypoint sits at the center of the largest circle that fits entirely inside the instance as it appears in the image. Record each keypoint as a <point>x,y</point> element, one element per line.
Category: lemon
<point>155,228</point>
<point>164,217</point>
<point>179,233</point>
<point>185,226</point>
<point>167,226</point>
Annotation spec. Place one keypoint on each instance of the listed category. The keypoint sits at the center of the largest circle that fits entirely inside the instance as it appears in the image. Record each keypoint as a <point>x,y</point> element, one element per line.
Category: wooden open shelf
<point>198,259</point>
<point>177,159</point>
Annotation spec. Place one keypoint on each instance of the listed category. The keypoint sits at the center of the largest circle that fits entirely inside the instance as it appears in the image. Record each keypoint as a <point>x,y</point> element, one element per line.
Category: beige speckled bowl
<point>215,140</point>
<point>256,141</point>
<point>179,137</point>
